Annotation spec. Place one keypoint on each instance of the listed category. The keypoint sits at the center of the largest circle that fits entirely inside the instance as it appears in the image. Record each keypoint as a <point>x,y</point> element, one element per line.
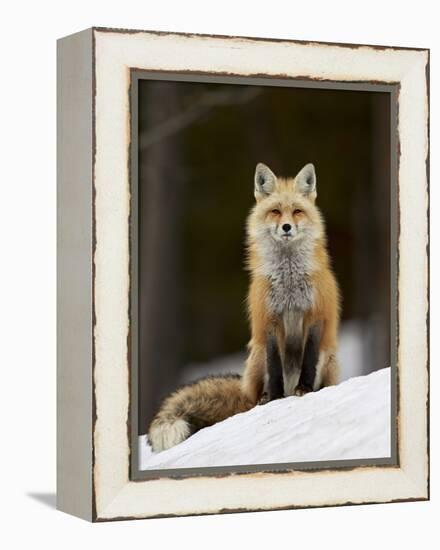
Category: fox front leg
<point>293,358</point>
<point>275,386</point>
<point>310,361</point>
<point>293,351</point>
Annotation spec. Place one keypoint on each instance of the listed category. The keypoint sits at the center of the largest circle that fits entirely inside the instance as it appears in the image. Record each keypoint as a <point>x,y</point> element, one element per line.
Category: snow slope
<point>348,421</point>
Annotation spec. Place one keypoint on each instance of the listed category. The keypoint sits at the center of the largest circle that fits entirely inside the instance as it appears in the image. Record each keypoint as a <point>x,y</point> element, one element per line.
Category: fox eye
<point>297,211</point>
<point>276,211</point>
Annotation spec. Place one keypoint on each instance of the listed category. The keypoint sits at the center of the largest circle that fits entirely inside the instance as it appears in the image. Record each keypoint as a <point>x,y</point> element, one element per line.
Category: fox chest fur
<point>288,271</point>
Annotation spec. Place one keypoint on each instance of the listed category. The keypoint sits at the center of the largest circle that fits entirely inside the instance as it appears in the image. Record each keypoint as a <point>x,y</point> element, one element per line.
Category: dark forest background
<point>199,144</point>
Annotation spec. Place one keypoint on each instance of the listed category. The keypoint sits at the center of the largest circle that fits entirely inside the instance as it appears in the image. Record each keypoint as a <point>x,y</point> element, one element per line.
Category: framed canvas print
<point>242,274</point>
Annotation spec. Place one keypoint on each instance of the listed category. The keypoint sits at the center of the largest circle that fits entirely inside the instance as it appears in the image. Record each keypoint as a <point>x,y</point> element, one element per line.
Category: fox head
<point>285,209</point>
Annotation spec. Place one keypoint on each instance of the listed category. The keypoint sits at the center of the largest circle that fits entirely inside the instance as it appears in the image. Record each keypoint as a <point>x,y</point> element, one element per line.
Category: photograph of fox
<point>199,145</point>
<point>293,305</point>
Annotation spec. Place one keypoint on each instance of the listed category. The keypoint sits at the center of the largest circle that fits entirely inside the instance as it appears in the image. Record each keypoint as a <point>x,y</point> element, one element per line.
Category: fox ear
<point>305,181</point>
<point>265,181</point>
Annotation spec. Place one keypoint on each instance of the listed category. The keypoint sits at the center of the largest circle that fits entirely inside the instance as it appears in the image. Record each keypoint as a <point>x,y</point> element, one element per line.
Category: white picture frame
<point>95,352</point>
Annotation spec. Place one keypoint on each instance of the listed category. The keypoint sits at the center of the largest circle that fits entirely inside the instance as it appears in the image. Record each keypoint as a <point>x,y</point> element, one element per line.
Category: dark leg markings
<point>310,359</point>
<point>274,369</point>
<point>293,359</point>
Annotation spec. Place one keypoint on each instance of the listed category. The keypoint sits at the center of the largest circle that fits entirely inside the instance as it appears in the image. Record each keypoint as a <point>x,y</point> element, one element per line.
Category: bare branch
<point>203,106</point>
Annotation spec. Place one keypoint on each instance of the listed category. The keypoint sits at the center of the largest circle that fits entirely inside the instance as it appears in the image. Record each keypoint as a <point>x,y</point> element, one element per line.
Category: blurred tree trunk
<point>371,234</point>
<point>160,177</point>
<point>381,202</point>
<point>364,284</point>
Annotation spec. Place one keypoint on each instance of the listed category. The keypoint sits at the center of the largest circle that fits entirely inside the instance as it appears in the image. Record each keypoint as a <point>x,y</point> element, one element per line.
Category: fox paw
<point>264,399</point>
<point>301,390</point>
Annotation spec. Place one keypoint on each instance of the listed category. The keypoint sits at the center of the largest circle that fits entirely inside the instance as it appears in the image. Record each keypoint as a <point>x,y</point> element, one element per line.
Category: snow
<point>348,421</point>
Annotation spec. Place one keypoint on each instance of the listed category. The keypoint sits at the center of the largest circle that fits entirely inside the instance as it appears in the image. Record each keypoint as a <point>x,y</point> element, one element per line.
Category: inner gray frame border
<point>392,88</point>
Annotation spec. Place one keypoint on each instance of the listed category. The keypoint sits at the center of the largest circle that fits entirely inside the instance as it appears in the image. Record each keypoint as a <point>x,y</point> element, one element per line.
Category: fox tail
<point>196,406</point>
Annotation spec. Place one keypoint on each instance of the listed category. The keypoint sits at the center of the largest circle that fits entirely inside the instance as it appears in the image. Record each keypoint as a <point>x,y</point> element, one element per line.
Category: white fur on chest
<point>288,270</point>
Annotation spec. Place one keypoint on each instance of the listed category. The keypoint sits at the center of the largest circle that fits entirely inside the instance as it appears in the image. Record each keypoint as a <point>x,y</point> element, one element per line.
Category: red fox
<point>293,298</point>
<point>293,305</point>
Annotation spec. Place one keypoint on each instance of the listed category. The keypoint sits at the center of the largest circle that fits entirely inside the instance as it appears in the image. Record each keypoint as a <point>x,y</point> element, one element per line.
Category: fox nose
<point>287,227</point>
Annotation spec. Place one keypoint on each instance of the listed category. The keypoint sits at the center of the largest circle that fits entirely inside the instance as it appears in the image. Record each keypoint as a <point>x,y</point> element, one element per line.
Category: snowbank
<point>348,421</point>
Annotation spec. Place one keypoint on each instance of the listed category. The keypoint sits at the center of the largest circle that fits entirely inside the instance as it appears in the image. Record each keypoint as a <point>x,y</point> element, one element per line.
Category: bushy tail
<point>196,406</point>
